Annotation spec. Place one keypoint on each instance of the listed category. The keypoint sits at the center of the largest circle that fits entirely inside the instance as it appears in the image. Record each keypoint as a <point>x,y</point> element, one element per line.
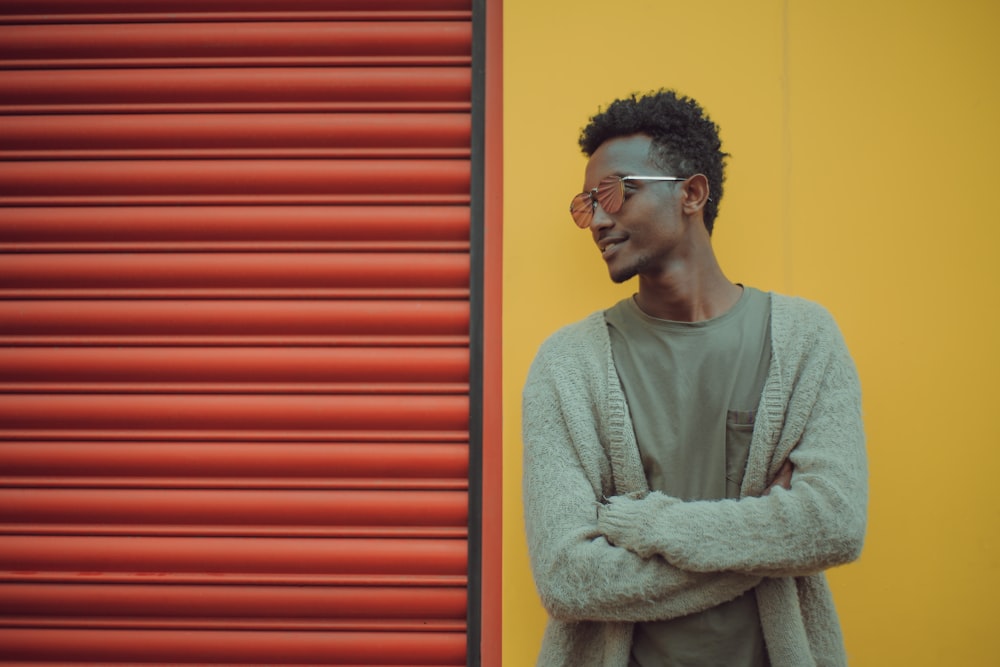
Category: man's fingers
<point>783,478</point>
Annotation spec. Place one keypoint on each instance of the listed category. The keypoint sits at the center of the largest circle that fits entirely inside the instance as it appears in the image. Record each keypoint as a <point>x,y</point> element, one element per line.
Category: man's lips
<point>608,244</point>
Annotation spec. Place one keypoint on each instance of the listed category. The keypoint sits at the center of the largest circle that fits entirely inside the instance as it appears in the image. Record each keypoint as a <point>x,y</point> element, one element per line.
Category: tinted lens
<point>582,210</point>
<point>609,194</point>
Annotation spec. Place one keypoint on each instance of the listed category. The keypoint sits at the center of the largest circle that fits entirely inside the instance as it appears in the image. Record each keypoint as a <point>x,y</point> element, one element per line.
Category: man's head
<point>685,141</point>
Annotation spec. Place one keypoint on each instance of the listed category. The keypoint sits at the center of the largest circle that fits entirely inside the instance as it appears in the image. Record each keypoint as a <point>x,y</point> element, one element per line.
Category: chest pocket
<point>739,431</point>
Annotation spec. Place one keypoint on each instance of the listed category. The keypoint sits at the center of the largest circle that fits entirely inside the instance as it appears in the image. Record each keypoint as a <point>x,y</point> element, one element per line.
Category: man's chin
<point>621,275</point>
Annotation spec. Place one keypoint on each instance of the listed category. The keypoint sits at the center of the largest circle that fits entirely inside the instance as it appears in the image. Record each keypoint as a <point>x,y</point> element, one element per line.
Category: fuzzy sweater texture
<point>607,553</point>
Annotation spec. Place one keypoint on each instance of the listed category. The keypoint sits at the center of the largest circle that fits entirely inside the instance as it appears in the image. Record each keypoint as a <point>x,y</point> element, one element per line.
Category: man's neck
<point>688,291</point>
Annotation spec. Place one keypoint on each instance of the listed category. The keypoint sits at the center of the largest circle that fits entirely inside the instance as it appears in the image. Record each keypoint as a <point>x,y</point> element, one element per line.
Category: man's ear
<point>695,194</point>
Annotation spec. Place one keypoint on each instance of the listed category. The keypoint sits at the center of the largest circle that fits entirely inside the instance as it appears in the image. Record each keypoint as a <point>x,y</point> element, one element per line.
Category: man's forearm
<point>788,533</point>
<point>596,581</point>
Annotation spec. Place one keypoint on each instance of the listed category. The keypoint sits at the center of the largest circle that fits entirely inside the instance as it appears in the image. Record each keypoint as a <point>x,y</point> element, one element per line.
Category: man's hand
<point>783,478</point>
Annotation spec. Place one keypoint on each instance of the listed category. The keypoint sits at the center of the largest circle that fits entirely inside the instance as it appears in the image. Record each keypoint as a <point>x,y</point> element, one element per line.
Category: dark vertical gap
<point>476,293</point>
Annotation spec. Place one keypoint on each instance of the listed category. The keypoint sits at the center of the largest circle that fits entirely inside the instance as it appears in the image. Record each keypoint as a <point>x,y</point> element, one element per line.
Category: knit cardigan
<point>607,553</point>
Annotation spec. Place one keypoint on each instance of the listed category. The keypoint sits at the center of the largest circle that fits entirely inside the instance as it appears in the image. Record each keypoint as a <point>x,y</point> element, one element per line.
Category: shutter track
<point>234,331</point>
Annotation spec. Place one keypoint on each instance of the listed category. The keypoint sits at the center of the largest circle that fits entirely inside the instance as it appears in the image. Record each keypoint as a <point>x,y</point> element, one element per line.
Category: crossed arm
<point>579,574</point>
<point>815,522</point>
<point>587,577</point>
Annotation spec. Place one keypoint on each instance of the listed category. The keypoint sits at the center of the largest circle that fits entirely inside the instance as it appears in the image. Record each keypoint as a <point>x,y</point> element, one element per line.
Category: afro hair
<point>685,141</point>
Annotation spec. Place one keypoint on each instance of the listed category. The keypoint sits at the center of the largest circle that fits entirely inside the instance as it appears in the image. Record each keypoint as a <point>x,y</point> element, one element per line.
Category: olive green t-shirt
<point>693,389</point>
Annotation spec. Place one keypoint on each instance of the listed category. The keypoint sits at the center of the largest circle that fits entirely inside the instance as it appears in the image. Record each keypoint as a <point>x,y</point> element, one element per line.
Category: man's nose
<point>600,219</point>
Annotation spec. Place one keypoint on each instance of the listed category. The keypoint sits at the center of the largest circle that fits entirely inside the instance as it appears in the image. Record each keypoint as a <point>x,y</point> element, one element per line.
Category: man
<point>694,455</point>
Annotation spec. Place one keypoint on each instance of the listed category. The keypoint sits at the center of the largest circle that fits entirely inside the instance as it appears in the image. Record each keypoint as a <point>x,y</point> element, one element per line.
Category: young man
<point>694,455</point>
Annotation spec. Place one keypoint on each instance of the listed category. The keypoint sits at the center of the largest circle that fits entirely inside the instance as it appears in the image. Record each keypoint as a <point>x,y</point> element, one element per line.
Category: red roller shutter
<point>235,331</point>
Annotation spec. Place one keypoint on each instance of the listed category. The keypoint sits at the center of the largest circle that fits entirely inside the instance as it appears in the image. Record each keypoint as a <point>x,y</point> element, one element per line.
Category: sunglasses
<point>610,194</point>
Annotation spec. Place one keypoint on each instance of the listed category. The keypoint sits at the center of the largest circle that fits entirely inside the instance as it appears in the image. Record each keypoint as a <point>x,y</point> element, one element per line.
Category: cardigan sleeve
<point>816,524</point>
<point>578,573</point>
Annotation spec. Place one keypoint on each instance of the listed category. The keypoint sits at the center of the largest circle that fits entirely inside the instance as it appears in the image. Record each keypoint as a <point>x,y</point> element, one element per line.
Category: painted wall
<point>864,138</point>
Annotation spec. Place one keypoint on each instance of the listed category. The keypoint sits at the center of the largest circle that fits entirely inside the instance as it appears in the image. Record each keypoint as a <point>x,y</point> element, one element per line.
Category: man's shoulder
<point>586,332</point>
<point>800,312</point>
<point>801,324</point>
<point>578,349</point>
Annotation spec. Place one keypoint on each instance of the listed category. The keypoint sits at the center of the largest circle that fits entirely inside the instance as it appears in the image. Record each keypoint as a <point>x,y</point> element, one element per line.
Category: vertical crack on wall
<point>786,151</point>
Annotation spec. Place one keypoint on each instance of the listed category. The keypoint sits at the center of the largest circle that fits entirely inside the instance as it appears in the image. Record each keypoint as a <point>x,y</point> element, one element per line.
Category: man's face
<point>644,234</point>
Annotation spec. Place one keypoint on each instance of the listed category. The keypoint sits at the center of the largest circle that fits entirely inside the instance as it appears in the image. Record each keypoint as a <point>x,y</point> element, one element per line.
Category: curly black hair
<point>685,140</point>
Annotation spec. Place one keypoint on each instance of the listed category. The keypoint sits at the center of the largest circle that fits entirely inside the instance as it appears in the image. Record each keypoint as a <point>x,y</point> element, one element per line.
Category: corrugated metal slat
<point>258,228</point>
<point>143,604</point>
<point>243,44</point>
<point>186,180</point>
<point>222,558</point>
<point>239,647</point>
<point>204,90</point>
<point>245,365</point>
<point>242,512</point>
<point>258,465</point>
<point>252,275</point>
<point>226,135</point>
<point>221,412</point>
<point>110,11</point>
<point>234,318</point>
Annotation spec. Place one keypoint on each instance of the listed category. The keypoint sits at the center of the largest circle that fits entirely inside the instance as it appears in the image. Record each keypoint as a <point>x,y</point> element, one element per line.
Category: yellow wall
<point>864,138</point>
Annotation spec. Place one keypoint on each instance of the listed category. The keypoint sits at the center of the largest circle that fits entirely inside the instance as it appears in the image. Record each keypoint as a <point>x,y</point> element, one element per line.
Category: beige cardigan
<point>603,561</point>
